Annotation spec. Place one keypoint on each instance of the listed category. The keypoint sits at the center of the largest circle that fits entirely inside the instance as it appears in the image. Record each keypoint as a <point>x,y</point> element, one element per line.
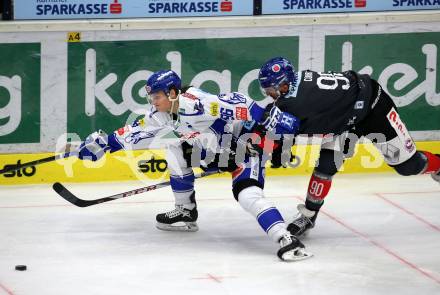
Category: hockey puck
<point>21,267</point>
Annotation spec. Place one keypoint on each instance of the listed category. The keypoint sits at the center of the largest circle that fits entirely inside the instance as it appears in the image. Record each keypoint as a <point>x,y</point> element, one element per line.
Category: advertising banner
<point>410,76</point>
<point>51,86</point>
<point>20,93</point>
<point>112,74</point>
<point>92,9</point>
<point>138,165</point>
<point>326,6</point>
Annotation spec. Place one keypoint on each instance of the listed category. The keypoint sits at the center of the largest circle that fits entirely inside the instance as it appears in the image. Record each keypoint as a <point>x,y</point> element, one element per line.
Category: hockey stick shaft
<point>63,192</point>
<point>10,168</point>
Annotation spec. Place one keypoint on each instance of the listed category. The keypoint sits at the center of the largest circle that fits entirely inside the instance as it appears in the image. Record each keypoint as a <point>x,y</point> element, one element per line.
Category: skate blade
<point>185,227</point>
<point>296,255</point>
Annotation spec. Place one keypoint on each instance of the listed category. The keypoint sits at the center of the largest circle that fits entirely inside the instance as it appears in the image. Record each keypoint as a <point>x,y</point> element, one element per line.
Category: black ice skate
<point>303,222</point>
<point>291,249</point>
<point>179,219</point>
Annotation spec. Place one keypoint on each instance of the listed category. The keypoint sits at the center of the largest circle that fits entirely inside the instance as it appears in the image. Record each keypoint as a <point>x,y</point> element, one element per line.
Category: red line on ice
<point>407,193</point>
<point>9,292</point>
<point>408,212</point>
<point>378,245</point>
<point>211,277</point>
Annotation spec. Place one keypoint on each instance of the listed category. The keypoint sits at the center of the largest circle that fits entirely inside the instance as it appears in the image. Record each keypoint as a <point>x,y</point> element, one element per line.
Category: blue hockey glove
<point>281,122</point>
<point>96,145</point>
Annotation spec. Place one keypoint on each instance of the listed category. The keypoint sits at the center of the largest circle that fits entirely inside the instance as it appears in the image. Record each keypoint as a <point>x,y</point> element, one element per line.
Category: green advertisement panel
<point>20,93</point>
<point>405,64</point>
<point>106,79</point>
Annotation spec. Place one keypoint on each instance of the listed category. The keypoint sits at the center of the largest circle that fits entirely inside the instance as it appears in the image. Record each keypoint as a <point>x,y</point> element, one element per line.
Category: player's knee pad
<point>329,162</point>
<point>252,200</point>
<point>413,166</point>
<point>243,184</point>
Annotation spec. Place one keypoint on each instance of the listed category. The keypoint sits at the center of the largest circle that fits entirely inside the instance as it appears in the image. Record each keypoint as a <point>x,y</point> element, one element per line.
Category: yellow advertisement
<point>151,165</point>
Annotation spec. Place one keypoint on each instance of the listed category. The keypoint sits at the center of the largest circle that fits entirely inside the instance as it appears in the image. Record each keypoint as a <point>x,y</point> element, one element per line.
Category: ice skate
<point>291,249</point>
<point>179,219</point>
<point>304,221</point>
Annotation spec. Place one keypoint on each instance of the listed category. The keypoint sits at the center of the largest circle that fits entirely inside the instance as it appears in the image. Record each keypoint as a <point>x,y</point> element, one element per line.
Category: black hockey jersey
<point>328,102</point>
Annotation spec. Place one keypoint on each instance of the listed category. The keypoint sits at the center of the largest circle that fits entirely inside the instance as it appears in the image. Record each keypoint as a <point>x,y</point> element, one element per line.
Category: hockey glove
<point>215,164</point>
<point>260,142</point>
<point>231,165</point>
<point>278,159</point>
<point>281,122</point>
<point>218,163</point>
<point>187,153</point>
<point>96,144</point>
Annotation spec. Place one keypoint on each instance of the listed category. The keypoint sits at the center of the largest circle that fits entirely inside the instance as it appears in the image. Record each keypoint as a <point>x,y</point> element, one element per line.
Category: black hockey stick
<point>10,168</point>
<point>68,196</point>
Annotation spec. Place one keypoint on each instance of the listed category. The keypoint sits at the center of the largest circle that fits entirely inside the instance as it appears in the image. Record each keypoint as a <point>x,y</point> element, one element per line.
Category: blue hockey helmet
<point>163,80</point>
<point>275,72</point>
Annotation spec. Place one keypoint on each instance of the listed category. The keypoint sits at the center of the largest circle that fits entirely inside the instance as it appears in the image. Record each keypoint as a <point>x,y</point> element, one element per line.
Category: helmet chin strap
<point>173,102</point>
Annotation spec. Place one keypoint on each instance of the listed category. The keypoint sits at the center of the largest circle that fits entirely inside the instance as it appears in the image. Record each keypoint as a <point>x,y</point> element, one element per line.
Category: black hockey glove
<point>255,144</point>
<point>230,166</point>
<point>277,155</point>
<point>276,161</point>
<point>187,152</point>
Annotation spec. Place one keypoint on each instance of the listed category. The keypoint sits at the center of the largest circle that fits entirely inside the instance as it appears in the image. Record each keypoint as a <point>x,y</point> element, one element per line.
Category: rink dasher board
<point>150,166</point>
<point>40,91</point>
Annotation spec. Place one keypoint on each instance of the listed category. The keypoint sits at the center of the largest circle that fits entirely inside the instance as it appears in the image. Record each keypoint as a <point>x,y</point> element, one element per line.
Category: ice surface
<point>376,234</point>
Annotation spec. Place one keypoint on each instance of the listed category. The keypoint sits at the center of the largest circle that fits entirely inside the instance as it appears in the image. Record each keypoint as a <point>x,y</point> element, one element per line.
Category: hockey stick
<point>10,168</point>
<point>68,196</point>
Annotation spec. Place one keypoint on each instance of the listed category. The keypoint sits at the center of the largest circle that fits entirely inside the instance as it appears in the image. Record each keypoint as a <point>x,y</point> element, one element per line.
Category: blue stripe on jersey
<point>114,143</point>
<point>256,111</point>
<point>182,183</point>
<point>218,126</point>
<point>269,217</point>
<point>199,112</point>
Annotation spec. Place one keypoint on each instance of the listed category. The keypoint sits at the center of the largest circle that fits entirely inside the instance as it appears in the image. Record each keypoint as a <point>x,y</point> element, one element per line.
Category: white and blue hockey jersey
<point>201,117</point>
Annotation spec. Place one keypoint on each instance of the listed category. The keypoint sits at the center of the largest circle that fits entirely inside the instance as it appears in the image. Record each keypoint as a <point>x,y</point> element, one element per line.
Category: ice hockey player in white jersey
<point>204,123</point>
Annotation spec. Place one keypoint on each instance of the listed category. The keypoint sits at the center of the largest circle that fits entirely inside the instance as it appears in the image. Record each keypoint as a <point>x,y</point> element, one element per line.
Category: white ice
<point>376,234</point>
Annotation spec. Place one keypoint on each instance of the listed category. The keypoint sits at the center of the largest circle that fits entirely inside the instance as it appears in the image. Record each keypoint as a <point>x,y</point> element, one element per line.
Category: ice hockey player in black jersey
<point>342,107</point>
